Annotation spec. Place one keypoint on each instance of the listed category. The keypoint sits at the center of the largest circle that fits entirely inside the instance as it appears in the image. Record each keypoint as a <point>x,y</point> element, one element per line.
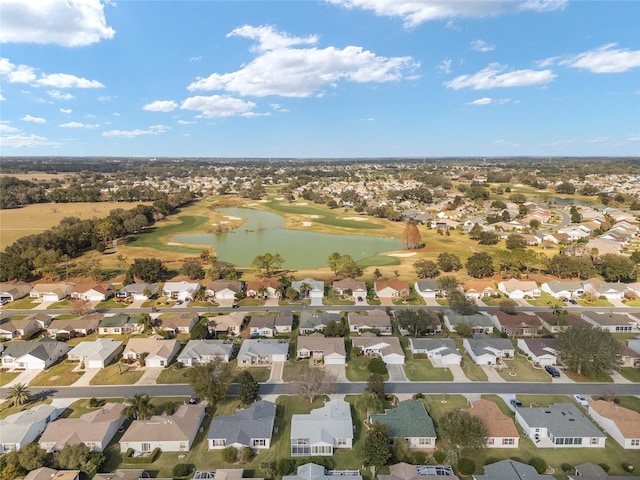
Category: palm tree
<point>370,401</point>
<point>262,292</point>
<point>139,407</point>
<point>146,322</point>
<point>305,288</point>
<point>18,395</point>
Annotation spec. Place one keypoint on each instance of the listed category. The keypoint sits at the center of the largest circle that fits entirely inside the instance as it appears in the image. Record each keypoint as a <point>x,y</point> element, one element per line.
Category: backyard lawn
<point>111,375</point>
<point>23,304</point>
<point>61,374</point>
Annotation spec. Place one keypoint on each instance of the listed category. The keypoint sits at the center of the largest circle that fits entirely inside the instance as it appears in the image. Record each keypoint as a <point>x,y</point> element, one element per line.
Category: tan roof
<point>497,423</point>
<point>256,284</point>
<point>53,287</point>
<point>628,421</point>
<point>350,284</point>
<point>393,344</point>
<point>318,342</point>
<point>46,473</point>
<point>177,320</point>
<point>478,285</point>
<point>87,322</point>
<point>153,346</point>
<point>518,320</point>
<point>177,427</point>
<point>233,319</point>
<point>371,318</point>
<point>85,287</point>
<point>395,284</point>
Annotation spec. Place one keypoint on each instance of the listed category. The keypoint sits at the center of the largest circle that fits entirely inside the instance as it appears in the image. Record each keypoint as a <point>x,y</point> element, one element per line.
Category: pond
<point>263,232</point>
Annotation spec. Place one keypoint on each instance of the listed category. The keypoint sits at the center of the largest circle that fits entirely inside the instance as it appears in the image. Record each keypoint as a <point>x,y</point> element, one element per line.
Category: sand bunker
<point>315,216</point>
<point>357,219</point>
<point>301,204</point>
<point>229,217</point>
<point>408,254</point>
<point>175,244</point>
<point>306,224</point>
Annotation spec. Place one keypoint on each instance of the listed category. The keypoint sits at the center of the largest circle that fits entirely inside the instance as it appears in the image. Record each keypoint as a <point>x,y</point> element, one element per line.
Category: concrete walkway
<point>617,378</point>
<point>43,306</point>
<point>396,373</point>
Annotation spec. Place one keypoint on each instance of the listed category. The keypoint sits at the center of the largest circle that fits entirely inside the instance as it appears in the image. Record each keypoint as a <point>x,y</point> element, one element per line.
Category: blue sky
<point>326,78</point>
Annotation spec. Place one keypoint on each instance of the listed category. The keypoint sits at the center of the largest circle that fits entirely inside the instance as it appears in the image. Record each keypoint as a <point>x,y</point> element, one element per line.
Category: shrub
<point>605,467</point>
<point>286,466</point>
<point>466,466</point>
<point>566,468</point>
<point>247,454</point>
<point>539,464</point>
<point>627,467</point>
<point>148,459</point>
<point>376,365</point>
<point>420,458</point>
<point>269,469</point>
<point>181,469</point>
<point>418,396</point>
<point>178,366</point>
<point>439,456</point>
<point>93,402</point>
<point>230,454</point>
<point>170,409</point>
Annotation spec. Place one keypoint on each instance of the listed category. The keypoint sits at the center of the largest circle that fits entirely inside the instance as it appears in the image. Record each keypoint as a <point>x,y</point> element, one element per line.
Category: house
<point>51,292</point>
<point>406,471</point>
<point>541,350</point>
<point>33,355</point>
<point>370,320</point>
<point>518,324</point>
<point>223,289</point>
<point>266,288</point>
<point>159,352</point>
<point>283,322</point>
<point>46,473</point>
<point>428,288</point>
<point>310,321</point>
<point>621,423</point>
<point>229,324</point>
<point>309,288</point>
<point>262,326</point>
<point>322,430</point>
<point>139,291</point>
<point>511,470</point>
<point>628,357</point>
<point>611,291</point>
<point>591,471</point>
<point>205,351</point>
<point>262,352</point>
<point>169,433</point>
<point>488,351</point>
<point>91,292</point>
<point>479,289</point>
<point>355,289</point>
<point>124,474</point>
<point>251,427</point>
<point>515,288</point>
<point>409,420</point>
<point>96,354</point>
<point>22,428</point>
<point>556,324</point>
<point>118,324</point>
<point>185,291</point>
<point>12,328</point>
<point>387,348</point>
<point>176,323</point>
<point>502,432</point>
<point>612,322</point>
<point>561,425</point>
<point>94,429</point>
<point>634,344</point>
<point>312,471</point>
<point>477,323</point>
<point>13,291</point>
<point>441,351</point>
<point>75,327</point>
<point>563,289</point>
<point>391,288</point>
<point>330,350</point>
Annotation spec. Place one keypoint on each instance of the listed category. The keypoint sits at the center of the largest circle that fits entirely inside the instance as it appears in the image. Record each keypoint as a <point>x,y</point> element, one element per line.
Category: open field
<point>18,222</point>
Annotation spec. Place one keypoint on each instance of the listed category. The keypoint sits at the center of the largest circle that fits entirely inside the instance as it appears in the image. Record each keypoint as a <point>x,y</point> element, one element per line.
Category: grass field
<point>156,237</point>
<point>59,375</point>
<point>632,374</point>
<point>324,217</point>
<point>6,377</point>
<point>421,370</point>
<point>524,371</point>
<point>111,376</point>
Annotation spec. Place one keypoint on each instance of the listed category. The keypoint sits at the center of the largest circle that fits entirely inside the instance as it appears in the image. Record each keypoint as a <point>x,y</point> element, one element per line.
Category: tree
<point>192,268</point>
<point>566,187</point>
<point>575,214</point>
<point>139,407</point>
<point>426,269</point>
<point>617,268</point>
<point>146,322</point>
<point>534,224</point>
<point>515,241</point>
<point>411,237</point>
<point>480,265</point>
<point>267,264</point>
<point>449,262</point>
<point>200,331</point>
<point>462,304</point>
<point>335,329</point>
<point>418,322</point>
<point>375,385</point>
<point>149,270</point>
<point>370,401</point>
<point>343,265</point>
<point>18,395</point>
<point>588,351</point>
<point>475,231</point>
<point>311,382</point>
<point>376,446</point>
<point>248,388</point>
<point>80,306</point>
<point>220,270</point>
<point>488,238</point>
<point>467,432</point>
<point>211,380</point>
<point>32,457</point>
<point>79,457</point>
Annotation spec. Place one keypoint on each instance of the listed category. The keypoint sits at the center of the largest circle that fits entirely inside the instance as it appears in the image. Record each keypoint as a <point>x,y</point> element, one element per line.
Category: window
<point>259,442</point>
<point>490,441</point>
<point>146,447</point>
<point>424,441</point>
<point>342,441</point>
<point>507,441</point>
<point>594,440</point>
<point>635,442</point>
<point>300,446</point>
<point>218,442</point>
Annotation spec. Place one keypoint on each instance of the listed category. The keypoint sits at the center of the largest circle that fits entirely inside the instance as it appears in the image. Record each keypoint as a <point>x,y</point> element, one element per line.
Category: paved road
<point>355,388</point>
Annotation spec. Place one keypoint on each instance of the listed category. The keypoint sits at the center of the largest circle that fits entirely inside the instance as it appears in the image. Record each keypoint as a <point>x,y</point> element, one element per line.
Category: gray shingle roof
<point>511,470</point>
<point>253,422</point>
<point>202,348</point>
<point>561,419</point>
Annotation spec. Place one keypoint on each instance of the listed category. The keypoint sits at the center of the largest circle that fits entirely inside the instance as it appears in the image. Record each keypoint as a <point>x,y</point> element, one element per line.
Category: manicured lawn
<point>111,376</point>
<point>327,217</point>
<point>112,303</point>
<point>292,367</point>
<point>357,370</point>
<point>500,300</point>
<point>545,300</point>
<point>586,378</point>
<point>153,237</point>
<point>22,304</point>
<point>543,400</point>
<point>250,302</point>
<point>632,374</point>
<point>6,377</point>
<point>596,303</point>
<point>59,375</point>
<point>378,261</point>
<point>471,370</point>
<point>524,370</point>
<point>173,375</point>
<point>337,301</point>
<point>60,304</point>
<point>422,370</point>
<point>414,299</point>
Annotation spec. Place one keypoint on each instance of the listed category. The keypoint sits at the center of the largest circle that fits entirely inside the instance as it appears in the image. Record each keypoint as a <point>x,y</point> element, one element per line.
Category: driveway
<point>396,373</point>
<point>458,373</point>
<point>149,376</point>
<point>563,378</point>
<point>271,302</point>
<point>386,302</point>
<point>276,372</point>
<point>338,371</point>
<point>492,375</point>
<point>361,302</point>
<point>136,304</point>
<point>43,306</point>
<point>86,377</point>
<point>25,377</point>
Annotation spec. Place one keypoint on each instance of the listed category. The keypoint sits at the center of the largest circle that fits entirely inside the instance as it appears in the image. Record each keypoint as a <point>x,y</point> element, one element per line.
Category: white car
<point>581,400</point>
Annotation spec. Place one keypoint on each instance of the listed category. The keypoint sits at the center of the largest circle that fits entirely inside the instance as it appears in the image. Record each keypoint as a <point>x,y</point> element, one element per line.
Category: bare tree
<point>311,382</point>
<point>80,307</point>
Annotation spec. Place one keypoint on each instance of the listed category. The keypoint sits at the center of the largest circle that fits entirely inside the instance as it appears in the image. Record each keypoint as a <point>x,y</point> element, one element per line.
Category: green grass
<point>326,217</point>
<point>59,375</point>
<point>378,261</point>
<point>422,370</point>
<point>337,301</point>
<point>545,300</point>
<point>630,373</point>
<point>60,304</point>
<point>112,303</point>
<point>471,370</point>
<point>152,237</point>
<point>173,375</point>
<point>22,304</point>
<point>604,378</point>
<point>504,408</point>
<point>412,299</point>
<point>111,376</point>
<point>497,301</point>
<point>525,371</point>
<point>357,370</point>
<point>6,377</point>
<point>596,303</point>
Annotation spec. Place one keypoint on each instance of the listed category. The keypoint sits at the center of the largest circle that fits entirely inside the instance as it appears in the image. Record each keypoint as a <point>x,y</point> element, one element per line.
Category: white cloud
<point>491,77</point>
<point>2,99</point>
<point>301,72</point>
<point>68,23</point>
<point>31,118</point>
<point>58,95</point>
<point>544,5</point>
<point>65,80</point>
<point>106,98</point>
<point>116,114</point>
<point>482,46</point>
<point>186,122</point>
<point>161,106</point>
<point>66,110</point>
<point>605,59</point>
<point>278,108</point>
<point>78,125</point>
<point>4,128</point>
<point>26,74</point>
<point>504,143</point>
<point>195,59</point>
<point>445,66</point>
<point>216,106</point>
<point>16,73</point>
<point>152,130</point>
<point>480,101</point>
<point>490,101</point>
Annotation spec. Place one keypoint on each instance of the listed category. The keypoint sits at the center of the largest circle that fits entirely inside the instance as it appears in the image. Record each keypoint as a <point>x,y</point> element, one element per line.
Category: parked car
<point>553,371</point>
<point>235,305</point>
<point>581,400</point>
<point>515,403</point>
<point>573,302</point>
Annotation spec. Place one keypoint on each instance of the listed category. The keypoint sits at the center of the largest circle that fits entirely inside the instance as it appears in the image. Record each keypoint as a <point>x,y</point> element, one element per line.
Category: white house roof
<point>263,347</point>
<point>14,427</point>
<point>324,424</point>
<point>561,419</point>
<point>99,349</point>
<point>205,348</point>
